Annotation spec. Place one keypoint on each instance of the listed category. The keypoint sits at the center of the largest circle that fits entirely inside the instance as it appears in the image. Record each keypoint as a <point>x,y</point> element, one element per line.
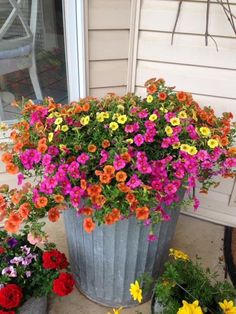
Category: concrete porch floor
<point>193,236</point>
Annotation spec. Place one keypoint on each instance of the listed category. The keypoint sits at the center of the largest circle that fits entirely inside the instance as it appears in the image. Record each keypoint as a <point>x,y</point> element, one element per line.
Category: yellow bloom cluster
<point>116,311</point>
<point>190,308</point>
<point>177,254</point>
<point>191,150</point>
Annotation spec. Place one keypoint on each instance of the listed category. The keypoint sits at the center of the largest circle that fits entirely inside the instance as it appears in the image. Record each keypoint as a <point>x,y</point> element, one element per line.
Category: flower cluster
<point>26,271</point>
<point>119,156</point>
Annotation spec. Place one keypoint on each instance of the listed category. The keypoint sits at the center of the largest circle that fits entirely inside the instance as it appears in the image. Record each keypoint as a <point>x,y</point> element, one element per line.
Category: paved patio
<point>192,236</point>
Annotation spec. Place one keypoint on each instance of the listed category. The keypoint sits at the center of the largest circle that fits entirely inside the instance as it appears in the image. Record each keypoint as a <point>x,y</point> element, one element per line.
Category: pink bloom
<point>230,163</point>
<point>202,155</point>
<point>83,158</point>
<point>134,182</point>
<point>143,114</point>
<point>196,203</point>
<point>152,237</point>
<point>138,139</point>
<point>170,188</point>
<point>105,156</point>
<point>35,239</point>
<point>119,163</point>
<point>144,167</point>
<point>166,142</point>
<point>20,178</point>
<point>150,124</point>
<point>169,116</point>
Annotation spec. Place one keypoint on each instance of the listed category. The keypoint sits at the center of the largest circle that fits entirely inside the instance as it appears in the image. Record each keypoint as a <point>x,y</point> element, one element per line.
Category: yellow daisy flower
<point>182,115</point>
<point>149,99</point>
<point>153,117</point>
<point>168,130</point>
<point>175,121</point>
<point>65,128</point>
<point>50,137</point>
<point>122,119</point>
<point>212,143</point>
<point>205,131</point>
<point>58,121</point>
<point>177,254</point>
<point>190,308</point>
<point>85,120</point>
<point>136,291</point>
<point>114,126</point>
<point>228,307</point>
<point>116,311</point>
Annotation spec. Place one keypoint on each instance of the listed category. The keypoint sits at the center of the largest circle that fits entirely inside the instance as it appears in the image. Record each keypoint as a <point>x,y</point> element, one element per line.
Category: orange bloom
<point>121,176</point>
<point>126,157</point>
<point>98,200</point>
<point>98,172</point>
<point>224,141</point>
<point>110,170</point>
<point>152,89</point>
<point>134,205</point>
<point>11,227</point>
<point>231,152</point>
<point>92,148</point>
<point>6,158</point>
<point>24,210</point>
<point>15,218</point>
<point>162,96</point>
<point>12,168</point>
<point>83,184</point>
<point>86,211</point>
<point>130,198</point>
<point>105,178</point>
<point>182,96</point>
<point>142,213</point>
<point>105,143</point>
<point>53,214</point>
<point>16,197</point>
<point>123,187</point>
<point>17,147</point>
<point>86,107</point>
<point>58,198</point>
<point>89,225</point>
<point>116,214</point>
<point>41,202</point>
<point>78,109</point>
<point>109,219</point>
<point>42,148</point>
<point>14,136</point>
<point>94,189</point>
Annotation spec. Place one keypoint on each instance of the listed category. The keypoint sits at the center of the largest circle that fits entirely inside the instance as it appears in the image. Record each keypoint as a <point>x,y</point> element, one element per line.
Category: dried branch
<point>176,21</point>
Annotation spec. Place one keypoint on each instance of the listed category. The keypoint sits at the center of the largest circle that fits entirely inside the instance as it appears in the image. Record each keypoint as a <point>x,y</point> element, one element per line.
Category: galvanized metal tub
<point>105,262</point>
<point>34,306</point>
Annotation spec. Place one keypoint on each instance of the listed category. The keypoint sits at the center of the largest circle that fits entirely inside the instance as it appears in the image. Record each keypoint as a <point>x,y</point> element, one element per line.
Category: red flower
<point>7,312</point>
<point>63,285</point>
<point>54,260</point>
<point>2,251</point>
<point>10,296</point>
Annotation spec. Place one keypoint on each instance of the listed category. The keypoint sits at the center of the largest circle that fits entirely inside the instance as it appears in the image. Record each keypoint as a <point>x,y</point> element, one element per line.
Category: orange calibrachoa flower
<point>94,190</point>
<point>105,144</point>
<point>109,219</point>
<point>105,178</point>
<point>83,184</point>
<point>92,148</point>
<point>58,198</point>
<point>126,157</point>
<point>42,148</point>
<point>130,197</point>
<point>162,96</point>
<point>224,141</point>
<point>98,200</point>
<point>11,227</point>
<point>152,89</point>
<point>108,169</point>
<point>16,197</point>
<point>86,211</point>
<point>123,187</point>
<point>24,210</point>
<point>89,225</point>
<point>18,147</point>
<point>116,214</point>
<point>7,158</point>
<point>41,202</point>
<point>53,214</point>
<point>232,151</point>
<point>121,176</point>
<point>86,107</point>
<point>12,168</point>
<point>182,96</point>
<point>142,213</point>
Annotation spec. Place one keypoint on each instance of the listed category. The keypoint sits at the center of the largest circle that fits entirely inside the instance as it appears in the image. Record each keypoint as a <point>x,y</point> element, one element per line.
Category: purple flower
<point>25,249</point>
<point>28,274</point>
<point>9,272</point>
<point>17,260</point>
<point>53,151</point>
<point>12,242</point>
<point>28,259</point>
<point>138,139</point>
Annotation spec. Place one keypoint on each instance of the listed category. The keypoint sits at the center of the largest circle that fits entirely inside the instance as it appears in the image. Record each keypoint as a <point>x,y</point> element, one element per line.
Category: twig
<point>176,21</point>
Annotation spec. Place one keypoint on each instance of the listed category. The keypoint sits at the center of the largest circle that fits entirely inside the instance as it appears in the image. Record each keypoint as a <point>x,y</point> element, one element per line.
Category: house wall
<point>108,36</point>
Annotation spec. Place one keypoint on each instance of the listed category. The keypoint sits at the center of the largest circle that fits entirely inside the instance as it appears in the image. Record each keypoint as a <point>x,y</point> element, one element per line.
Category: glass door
<point>37,50</point>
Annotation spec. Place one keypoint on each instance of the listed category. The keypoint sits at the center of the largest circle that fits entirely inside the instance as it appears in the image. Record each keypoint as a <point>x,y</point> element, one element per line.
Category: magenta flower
<point>169,116</point>
<point>196,203</point>
<point>138,139</point>
<point>83,158</point>
<point>105,156</point>
<point>203,155</point>
<point>144,167</point>
<point>20,178</point>
<point>134,182</point>
<point>143,114</point>
<point>150,124</point>
<point>152,237</point>
<point>170,188</point>
<point>47,159</point>
<point>166,142</point>
<point>119,163</point>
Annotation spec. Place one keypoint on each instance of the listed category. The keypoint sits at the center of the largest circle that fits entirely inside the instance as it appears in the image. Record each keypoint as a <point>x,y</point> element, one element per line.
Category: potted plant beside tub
<point>29,274</point>
<point>120,163</point>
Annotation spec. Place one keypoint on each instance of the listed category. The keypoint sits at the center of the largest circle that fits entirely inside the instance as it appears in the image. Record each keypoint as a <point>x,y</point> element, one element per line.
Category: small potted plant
<point>185,287</point>
<point>29,274</point>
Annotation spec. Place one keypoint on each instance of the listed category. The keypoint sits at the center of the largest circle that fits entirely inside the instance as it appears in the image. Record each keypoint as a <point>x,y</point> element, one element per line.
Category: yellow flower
<point>190,308</point>
<point>177,254</point>
<point>194,116</point>
<point>85,120</point>
<point>116,311</point>
<point>58,121</point>
<point>192,150</point>
<point>99,117</point>
<point>105,115</point>
<point>136,291</point>
<point>57,114</point>
<point>182,115</point>
<point>185,147</point>
<point>121,108</point>
<point>153,117</point>
<point>114,126</point>
<point>115,116</point>
<point>65,128</point>
<point>149,99</point>
<point>163,109</point>
<point>228,307</point>
<point>212,143</point>
<point>122,119</point>
<point>205,131</point>
<point>175,121</point>
<point>50,137</point>
<point>129,141</point>
<point>58,127</point>
<point>176,145</point>
<point>168,130</point>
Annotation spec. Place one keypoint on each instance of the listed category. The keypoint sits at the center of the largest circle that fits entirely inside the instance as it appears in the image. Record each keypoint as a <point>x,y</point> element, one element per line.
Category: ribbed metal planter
<point>105,262</point>
<point>34,306</point>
